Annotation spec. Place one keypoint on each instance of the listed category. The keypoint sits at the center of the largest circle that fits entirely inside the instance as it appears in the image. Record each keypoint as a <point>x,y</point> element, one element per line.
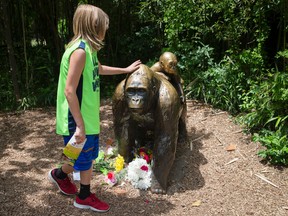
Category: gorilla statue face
<point>169,62</point>
<point>138,90</point>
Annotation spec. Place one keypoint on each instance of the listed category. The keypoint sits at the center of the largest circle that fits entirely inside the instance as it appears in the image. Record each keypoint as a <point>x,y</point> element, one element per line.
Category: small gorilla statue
<point>147,111</point>
<point>167,65</point>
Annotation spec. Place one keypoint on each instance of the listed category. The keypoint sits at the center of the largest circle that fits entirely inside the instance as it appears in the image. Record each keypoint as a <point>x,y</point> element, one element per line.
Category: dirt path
<point>205,180</point>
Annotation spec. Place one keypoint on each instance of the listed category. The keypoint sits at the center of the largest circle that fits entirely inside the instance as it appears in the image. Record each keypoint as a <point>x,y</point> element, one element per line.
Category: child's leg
<point>86,176</point>
<point>63,171</point>
<point>60,178</point>
<point>66,168</point>
<point>84,163</point>
<point>85,179</point>
<point>86,199</point>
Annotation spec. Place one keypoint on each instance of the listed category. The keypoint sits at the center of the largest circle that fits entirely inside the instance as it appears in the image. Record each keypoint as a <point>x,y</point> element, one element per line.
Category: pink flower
<point>110,178</point>
<point>144,168</point>
<point>110,175</point>
<point>146,157</point>
<point>146,154</point>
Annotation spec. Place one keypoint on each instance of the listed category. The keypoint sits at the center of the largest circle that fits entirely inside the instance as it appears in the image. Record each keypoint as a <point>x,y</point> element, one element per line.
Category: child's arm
<point>107,70</point>
<point>77,63</point>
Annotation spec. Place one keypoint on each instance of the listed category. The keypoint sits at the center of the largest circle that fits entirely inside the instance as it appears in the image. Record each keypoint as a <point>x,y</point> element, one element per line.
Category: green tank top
<point>88,93</point>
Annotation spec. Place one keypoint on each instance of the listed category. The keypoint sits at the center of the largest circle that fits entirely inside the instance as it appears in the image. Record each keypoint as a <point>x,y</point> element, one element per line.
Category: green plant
<point>102,164</point>
<point>266,106</point>
<point>276,144</point>
<point>224,84</point>
<point>266,102</point>
<point>27,103</point>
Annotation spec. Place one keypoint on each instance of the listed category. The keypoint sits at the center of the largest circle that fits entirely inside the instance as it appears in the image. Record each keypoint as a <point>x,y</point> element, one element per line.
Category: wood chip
<point>239,131</point>
<point>232,161</point>
<point>218,139</point>
<point>198,138</point>
<point>231,147</point>
<point>266,180</point>
<point>120,191</point>
<point>191,146</point>
<point>197,203</point>
<point>241,154</point>
<point>218,113</point>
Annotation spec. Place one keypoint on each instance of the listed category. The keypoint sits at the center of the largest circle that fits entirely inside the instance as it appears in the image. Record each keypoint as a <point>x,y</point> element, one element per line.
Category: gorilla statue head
<point>140,90</point>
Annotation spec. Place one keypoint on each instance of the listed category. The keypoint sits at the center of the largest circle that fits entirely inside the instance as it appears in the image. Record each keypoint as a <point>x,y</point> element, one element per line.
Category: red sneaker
<point>65,185</point>
<point>91,202</point>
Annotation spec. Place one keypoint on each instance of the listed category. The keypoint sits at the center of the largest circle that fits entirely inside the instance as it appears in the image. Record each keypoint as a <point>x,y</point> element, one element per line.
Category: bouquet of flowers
<point>111,177</point>
<point>139,173</point>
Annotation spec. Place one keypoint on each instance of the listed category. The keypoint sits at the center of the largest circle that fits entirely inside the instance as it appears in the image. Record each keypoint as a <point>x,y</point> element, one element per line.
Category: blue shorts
<point>89,152</point>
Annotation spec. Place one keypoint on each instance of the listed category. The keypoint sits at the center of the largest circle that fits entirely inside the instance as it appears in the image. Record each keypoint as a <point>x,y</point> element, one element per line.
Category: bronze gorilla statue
<point>147,111</point>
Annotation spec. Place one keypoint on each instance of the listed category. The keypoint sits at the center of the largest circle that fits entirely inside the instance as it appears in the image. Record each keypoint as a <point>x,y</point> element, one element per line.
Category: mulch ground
<point>217,172</point>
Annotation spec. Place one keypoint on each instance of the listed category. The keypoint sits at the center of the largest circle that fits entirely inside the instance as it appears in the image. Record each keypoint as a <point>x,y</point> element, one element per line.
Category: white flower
<point>110,151</point>
<point>139,173</point>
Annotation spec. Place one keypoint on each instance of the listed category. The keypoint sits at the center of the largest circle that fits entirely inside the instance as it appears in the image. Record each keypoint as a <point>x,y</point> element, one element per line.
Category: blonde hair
<point>90,23</point>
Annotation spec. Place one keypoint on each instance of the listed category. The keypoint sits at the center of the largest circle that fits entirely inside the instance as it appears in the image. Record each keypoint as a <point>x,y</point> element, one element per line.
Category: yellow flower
<point>119,163</point>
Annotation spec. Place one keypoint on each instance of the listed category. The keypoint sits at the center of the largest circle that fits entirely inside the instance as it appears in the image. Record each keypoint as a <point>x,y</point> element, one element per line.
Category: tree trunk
<point>25,52</point>
<point>10,49</point>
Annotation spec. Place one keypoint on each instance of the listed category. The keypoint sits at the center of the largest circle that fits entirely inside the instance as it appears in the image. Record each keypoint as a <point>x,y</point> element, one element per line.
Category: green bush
<point>224,84</point>
<point>266,106</point>
<point>266,103</point>
<point>276,144</point>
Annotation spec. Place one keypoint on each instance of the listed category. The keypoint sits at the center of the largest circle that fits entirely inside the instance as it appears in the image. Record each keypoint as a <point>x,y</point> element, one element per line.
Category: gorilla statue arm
<point>168,111</point>
<point>120,119</point>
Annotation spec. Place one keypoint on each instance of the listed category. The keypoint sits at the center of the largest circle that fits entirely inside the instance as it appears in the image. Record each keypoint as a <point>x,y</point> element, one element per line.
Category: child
<point>78,101</point>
